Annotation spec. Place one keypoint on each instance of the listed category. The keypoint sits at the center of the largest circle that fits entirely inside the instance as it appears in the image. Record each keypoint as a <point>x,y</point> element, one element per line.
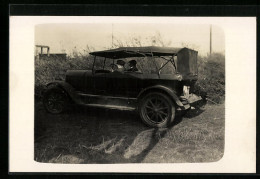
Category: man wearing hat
<point>132,65</point>
<point>120,65</point>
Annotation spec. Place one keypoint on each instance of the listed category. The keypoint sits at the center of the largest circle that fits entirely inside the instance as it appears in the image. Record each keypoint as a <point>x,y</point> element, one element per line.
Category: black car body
<point>155,96</point>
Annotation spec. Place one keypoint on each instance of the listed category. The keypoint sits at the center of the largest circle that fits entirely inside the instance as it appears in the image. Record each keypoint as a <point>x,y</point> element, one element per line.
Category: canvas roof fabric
<point>126,52</point>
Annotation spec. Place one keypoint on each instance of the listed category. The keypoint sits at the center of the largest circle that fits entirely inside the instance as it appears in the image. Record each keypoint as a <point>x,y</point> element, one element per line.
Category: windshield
<point>103,64</point>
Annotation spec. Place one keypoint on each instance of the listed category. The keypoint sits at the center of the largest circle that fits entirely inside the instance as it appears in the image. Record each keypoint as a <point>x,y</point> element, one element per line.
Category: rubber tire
<point>172,110</point>
<point>56,90</point>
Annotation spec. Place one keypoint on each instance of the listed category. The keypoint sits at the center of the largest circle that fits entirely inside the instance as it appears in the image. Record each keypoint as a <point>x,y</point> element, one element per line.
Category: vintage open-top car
<point>162,84</point>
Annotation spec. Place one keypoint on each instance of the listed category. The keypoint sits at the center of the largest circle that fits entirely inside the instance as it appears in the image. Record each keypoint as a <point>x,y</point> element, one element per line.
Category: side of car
<point>155,100</point>
<point>155,97</point>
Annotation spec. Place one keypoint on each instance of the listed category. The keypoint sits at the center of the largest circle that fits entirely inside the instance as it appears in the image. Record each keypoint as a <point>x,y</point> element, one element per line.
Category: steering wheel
<point>113,67</point>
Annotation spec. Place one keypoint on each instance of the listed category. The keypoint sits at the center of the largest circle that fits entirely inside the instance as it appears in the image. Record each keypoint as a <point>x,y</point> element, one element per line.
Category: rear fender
<point>67,88</point>
<point>167,90</point>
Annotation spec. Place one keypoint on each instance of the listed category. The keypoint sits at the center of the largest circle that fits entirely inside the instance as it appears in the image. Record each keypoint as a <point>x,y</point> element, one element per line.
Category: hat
<point>120,62</point>
<point>132,62</point>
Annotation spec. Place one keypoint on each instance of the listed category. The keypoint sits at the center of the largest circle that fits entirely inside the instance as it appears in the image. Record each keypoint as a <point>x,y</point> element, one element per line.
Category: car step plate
<point>111,106</point>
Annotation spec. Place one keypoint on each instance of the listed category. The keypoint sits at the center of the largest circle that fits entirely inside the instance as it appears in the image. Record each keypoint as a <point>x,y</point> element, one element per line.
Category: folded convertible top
<point>126,52</point>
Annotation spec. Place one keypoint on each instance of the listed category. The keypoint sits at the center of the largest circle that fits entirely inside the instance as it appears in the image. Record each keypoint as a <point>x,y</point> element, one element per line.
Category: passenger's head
<point>120,62</point>
<point>132,63</point>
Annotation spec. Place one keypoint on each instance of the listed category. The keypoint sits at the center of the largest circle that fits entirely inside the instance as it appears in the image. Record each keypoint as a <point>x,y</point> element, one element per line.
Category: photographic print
<point>132,94</point>
<point>129,93</point>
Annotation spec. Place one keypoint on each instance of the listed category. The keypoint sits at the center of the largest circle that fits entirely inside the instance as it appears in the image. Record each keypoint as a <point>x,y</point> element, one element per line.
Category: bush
<point>49,69</point>
<point>211,79</point>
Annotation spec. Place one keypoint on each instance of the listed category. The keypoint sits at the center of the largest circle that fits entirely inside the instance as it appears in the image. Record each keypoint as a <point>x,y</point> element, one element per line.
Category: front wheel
<point>55,100</point>
<point>157,110</point>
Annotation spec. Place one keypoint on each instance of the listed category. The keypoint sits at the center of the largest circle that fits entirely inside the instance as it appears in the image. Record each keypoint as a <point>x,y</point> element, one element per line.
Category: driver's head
<point>132,63</point>
<point>120,62</point>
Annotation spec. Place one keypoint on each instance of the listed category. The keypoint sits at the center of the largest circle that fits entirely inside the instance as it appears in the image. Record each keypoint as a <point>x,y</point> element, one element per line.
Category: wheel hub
<point>54,102</point>
<point>156,110</point>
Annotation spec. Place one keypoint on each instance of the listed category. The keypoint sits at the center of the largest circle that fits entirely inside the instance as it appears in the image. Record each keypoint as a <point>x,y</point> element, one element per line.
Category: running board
<point>107,97</point>
<point>123,108</point>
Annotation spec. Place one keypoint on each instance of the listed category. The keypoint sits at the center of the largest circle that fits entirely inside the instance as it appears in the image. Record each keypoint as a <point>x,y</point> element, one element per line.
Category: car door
<point>117,84</point>
<point>110,84</point>
<point>88,82</point>
<point>123,84</point>
<point>100,81</point>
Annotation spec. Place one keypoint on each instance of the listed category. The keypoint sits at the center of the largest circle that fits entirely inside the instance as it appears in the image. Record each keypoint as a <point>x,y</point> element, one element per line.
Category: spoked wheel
<point>55,100</point>
<point>157,110</point>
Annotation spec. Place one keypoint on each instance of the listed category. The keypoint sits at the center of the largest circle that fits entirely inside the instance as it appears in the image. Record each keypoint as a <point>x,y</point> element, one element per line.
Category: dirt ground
<point>88,135</point>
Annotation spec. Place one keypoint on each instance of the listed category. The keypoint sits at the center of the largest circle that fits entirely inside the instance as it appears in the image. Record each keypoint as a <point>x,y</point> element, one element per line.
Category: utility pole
<point>210,43</point>
<point>112,35</point>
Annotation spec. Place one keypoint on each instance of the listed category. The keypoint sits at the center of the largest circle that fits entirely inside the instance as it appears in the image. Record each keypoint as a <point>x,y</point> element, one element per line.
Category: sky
<point>68,37</point>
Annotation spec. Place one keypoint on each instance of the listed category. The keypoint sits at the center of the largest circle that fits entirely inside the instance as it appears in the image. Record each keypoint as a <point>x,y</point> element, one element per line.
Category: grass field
<point>87,135</point>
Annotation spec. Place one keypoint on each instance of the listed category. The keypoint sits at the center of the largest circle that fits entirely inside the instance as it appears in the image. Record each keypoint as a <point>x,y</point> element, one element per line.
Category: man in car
<point>120,65</point>
<point>132,65</point>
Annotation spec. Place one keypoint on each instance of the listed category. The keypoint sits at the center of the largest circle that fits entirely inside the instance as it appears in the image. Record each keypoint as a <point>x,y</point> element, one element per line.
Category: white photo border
<point>240,104</point>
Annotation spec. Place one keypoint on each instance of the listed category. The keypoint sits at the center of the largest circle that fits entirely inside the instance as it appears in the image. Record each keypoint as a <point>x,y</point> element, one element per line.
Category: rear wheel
<point>55,100</point>
<point>157,110</point>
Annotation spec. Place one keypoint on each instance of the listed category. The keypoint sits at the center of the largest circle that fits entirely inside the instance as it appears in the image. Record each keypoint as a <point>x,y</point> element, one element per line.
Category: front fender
<point>68,89</point>
<point>169,91</point>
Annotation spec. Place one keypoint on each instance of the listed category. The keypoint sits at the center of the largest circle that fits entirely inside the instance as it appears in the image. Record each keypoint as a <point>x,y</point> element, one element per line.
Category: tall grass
<point>211,80</point>
<point>49,69</point>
